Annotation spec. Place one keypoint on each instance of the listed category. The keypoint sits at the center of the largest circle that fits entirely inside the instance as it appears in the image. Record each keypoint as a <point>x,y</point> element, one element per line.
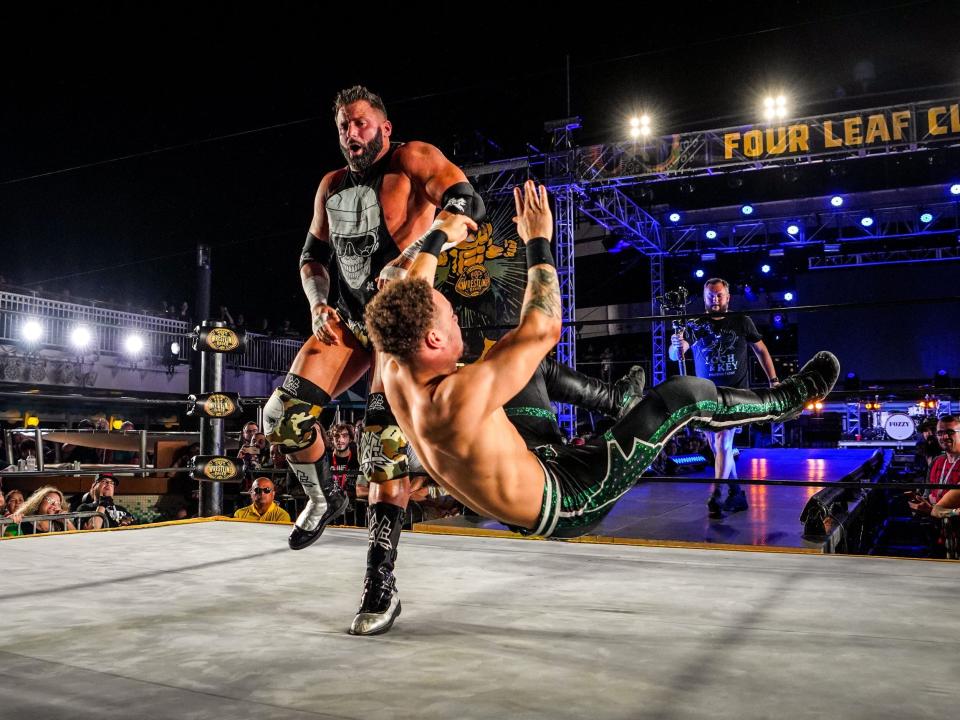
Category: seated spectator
<point>13,501</point>
<point>101,501</point>
<point>48,500</point>
<point>344,460</point>
<point>278,461</point>
<point>927,447</point>
<point>263,508</point>
<point>945,470</point>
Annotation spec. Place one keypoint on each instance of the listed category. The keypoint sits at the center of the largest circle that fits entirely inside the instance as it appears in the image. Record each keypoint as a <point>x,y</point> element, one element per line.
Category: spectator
<point>945,470</point>
<point>48,500</point>
<point>263,508</point>
<point>101,501</point>
<point>927,448</point>
<point>13,501</point>
<point>344,461</point>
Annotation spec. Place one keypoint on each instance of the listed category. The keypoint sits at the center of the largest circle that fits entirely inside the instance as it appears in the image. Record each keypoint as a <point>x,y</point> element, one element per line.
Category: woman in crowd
<point>48,500</point>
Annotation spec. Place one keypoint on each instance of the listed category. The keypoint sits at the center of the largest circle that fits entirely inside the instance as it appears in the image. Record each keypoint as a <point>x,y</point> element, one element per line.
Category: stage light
<point>699,273</point>
<point>764,269</point>
<point>32,331</point>
<point>634,132</point>
<point>810,407</point>
<point>80,337</point>
<point>955,189</point>
<point>866,221</point>
<point>775,107</point>
<point>634,122</point>
<point>116,424</point>
<point>836,201</point>
<point>777,320</point>
<point>175,348</point>
<point>133,344</point>
<point>32,421</point>
<point>818,405</point>
<point>674,217</point>
<point>788,296</point>
<point>747,209</point>
<point>792,229</point>
<point>926,218</point>
<point>711,234</point>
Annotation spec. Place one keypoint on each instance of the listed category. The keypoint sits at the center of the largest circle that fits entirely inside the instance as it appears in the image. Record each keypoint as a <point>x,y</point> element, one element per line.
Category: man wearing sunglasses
<point>945,471</point>
<point>263,508</point>
<point>101,501</point>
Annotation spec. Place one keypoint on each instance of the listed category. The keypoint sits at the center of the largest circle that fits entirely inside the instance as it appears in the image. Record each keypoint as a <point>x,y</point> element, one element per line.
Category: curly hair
<point>350,95</point>
<point>399,317</point>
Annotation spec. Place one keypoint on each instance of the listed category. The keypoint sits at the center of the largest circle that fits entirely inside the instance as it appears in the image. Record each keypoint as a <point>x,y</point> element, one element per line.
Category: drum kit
<point>899,426</point>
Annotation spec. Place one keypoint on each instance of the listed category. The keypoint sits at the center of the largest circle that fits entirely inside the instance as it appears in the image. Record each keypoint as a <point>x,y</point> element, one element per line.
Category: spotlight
<point>955,189</point>
<point>788,296</point>
<point>711,234</point>
<point>866,221</point>
<point>133,344</point>
<point>698,273</point>
<point>175,348</point>
<point>926,218</point>
<point>80,337</point>
<point>777,320</point>
<point>836,201</point>
<point>747,209</point>
<point>634,122</point>
<point>674,217</point>
<point>818,405</point>
<point>764,269</point>
<point>792,229</point>
<point>32,331</point>
<point>775,107</point>
<point>634,132</point>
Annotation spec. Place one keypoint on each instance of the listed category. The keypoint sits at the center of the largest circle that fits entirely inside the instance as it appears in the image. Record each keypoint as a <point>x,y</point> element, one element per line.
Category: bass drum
<point>899,426</point>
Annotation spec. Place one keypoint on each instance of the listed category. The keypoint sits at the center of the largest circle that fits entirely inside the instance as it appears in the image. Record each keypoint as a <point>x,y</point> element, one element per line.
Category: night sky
<point>130,134</point>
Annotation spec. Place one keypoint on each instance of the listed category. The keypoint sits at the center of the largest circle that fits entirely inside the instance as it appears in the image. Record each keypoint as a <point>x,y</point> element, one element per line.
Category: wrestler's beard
<point>359,163</point>
<point>718,313</point>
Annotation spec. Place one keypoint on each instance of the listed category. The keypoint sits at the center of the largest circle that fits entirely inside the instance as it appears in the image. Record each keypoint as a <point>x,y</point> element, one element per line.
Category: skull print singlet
<point>359,235</point>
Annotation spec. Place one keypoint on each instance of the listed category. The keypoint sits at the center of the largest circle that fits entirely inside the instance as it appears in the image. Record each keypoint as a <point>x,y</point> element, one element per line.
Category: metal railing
<point>34,519</point>
<point>109,329</point>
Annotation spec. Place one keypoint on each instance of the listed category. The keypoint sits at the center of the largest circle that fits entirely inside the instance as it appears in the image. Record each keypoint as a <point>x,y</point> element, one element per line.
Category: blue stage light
<point>699,273</point>
<point>788,296</point>
<point>747,209</point>
<point>764,269</point>
<point>926,218</point>
<point>836,201</point>
<point>955,189</point>
<point>867,221</point>
<point>674,217</point>
<point>711,234</point>
<point>792,229</point>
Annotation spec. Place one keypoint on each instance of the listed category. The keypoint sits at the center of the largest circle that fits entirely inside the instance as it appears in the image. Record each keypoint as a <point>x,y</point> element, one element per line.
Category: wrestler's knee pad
<point>383,445</point>
<point>291,415</point>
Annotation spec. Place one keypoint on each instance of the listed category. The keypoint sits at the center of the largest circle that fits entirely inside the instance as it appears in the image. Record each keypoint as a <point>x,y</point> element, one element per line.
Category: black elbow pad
<point>462,199</point>
<point>315,251</point>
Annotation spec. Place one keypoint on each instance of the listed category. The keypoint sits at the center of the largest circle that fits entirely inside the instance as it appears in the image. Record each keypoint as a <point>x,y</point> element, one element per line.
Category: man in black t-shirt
<point>101,501</point>
<point>720,354</point>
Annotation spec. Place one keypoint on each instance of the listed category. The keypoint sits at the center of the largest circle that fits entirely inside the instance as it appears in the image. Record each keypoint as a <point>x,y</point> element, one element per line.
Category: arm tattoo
<point>543,292</point>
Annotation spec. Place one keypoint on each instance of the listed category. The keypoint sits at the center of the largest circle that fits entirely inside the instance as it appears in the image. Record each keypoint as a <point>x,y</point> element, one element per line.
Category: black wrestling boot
<point>784,402</point>
<point>325,502</point>
<point>566,385</point>
<point>380,602</point>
